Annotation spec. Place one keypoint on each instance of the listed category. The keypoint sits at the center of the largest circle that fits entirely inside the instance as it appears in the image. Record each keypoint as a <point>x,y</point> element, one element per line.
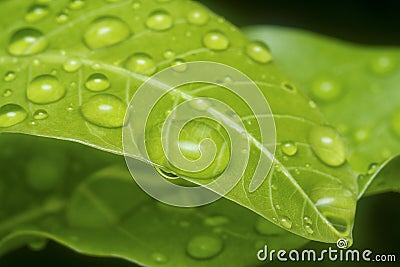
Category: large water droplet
<point>106,31</point>
<point>10,76</point>
<point>198,16</point>
<point>328,145</point>
<point>97,82</point>
<point>395,123</point>
<point>45,89</point>
<point>383,64</point>
<point>258,52</point>
<point>159,20</point>
<point>11,114</point>
<point>286,222</point>
<point>289,148</point>
<point>141,63</point>
<point>326,90</point>
<point>216,40</point>
<point>36,13</point>
<point>72,65</point>
<point>40,114</point>
<point>104,110</point>
<point>204,247</point>
<point>26,42</point>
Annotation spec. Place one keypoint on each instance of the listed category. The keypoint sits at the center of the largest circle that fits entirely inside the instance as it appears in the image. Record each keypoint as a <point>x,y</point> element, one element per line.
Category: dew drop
<point>10,76</point>
<point>309,229</point>
<point>159,257</point>
<point>307,220</point>
<point>179,65</point>
<point>105,32</point>
<point>326,90</point>
<point>7,93</point>
<point>198,17</point>
<point>12,114</point>
<point>141,63</point>
<point>289,148</point>
<point>216,40</point>
<point>159,20</point>
<point>40,114</point>
<point>258,52</point>
<point>45,89</point>
<point>62,18</point>
<point>204,247</point>
<point>97,82</point>
<point>169,54</point>
<point>395,123</point>
<point>373,167</point>
<point>104,110</point>
<point>72,65</point>
<point>200,104</point>
<point>312,104</point>
<point>327,145</point>
<point>383,64</point>
<point>76,4</point>
<point>288,86</point>
<point>136,5</point>
<point>36,13</point>
<point>361,135</point>
<point>27,41</point>
<point>286,222</point>
<point>36,62</point>
<point>216,220</point>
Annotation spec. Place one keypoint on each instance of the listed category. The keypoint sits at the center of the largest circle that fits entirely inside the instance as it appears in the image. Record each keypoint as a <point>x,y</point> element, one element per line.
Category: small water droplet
<point>383,64</point>
<point>27,41</point>
<point>286,222</point>
<point>159,257</point>
<point>72,65</point>
<point>76,4</point>
<point>105,32</point>
<point>395,123</point>
<point>104,110</point>
<point>278,168</point>
<point>217,220</point>
<point>204,247</point>
<point>45,89</point>
<point>288,86</point>
<point>136,5</point>
<point>289,148</point>
<point>179,65</point>
<point>12,114</point>
<point>312,104</point>
<point>198,17</point>
<point>308,165</point>
<point>159,20</point>
<point>141,63</point>
<point>97,82</point>
<point>277,206</point>
<point>7,93</point>
<point>40,114</point>
<point>326,90</point>
<point>328,145</point>
<point>373,167</point>
<point>259,52</point>
<point>309,229</point>
<point>216,40</point>
<point>62,18</point>
<point>169,54</point>
<point>36,13</point>
<point>10,76</point>
<point>307,220</point>
<point>36,62</point>
<point>70,108</point>
<point>274,187</point>
<point>361,135</point>
<point>200,104</point>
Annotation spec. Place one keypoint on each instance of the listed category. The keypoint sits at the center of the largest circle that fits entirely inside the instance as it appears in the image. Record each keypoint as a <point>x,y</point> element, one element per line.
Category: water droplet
<point>289,148</point>
<point>62,18</point>
<point>136,5</point>
<point>26,42</point>
<point>10,76</point>
<point>159,20</point>
<point>216,220</point>
<point>7,93</point>
<point>198,17</point>
<point>361,135</point>
<point>106,31</point>
<point>179,65</point>
<point>383,64</point>
<point>38,244</point>
<point>274,187</point>
<point>309,229</point>
<point>204,247</point>
<point>373,167</point>
<point>288,86</point>
<point>76,4</point>
<point>169,54</point>
<point>307,220</point>
<point>36,13</point>
<point>326,90</point>
<point>286,222</point>
<point>97,82</point>
<point>216,40</point>
<point>72,65</point>
<point>45,89</point>
<point>141,63</point>
<point>104,110</point>
<point>259,52</point>
<point>395,123</point>
<point>312,104</point>
<point>200,104</point>
<point>40,114</point>
<point>36,62</point>
<point>159,257</point>
<point>12,114</point>
<point>327,145</point>
<point>277,206</point>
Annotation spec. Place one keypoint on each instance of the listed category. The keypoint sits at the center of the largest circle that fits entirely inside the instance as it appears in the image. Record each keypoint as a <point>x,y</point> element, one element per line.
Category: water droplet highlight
<point>309,229</point>
<point>105,111</point>
<point>383,64</point>
<point>36,13</point>
<point>159,20</point>
<point>289,148</point>
<point>7,93</point>
<point>27,42</point>
<point>10,76</point>
<point>40,114</point>
<point>105,32</point>
<point>141,63</point>
<point>204,247</point>
<point>286,222</point>
<point>62,18</point>
<point>97,82</point>
<point>72,65</point>
<point>259,52</point>
<point>45,89</point>
<point>216,40</point>
<point>326,90</point>
<point>327,145</point>
<point>11,114</point>
<point>198,17</point>
<point>373,167</point>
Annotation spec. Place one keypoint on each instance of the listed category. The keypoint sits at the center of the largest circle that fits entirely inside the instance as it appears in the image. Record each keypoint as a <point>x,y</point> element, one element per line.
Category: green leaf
<point>104,213</point>
<point>55,71</point>
<point>356,88</point>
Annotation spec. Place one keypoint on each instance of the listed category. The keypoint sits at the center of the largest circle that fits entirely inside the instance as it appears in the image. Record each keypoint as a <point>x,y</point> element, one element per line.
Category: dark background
<point>362,21</point>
